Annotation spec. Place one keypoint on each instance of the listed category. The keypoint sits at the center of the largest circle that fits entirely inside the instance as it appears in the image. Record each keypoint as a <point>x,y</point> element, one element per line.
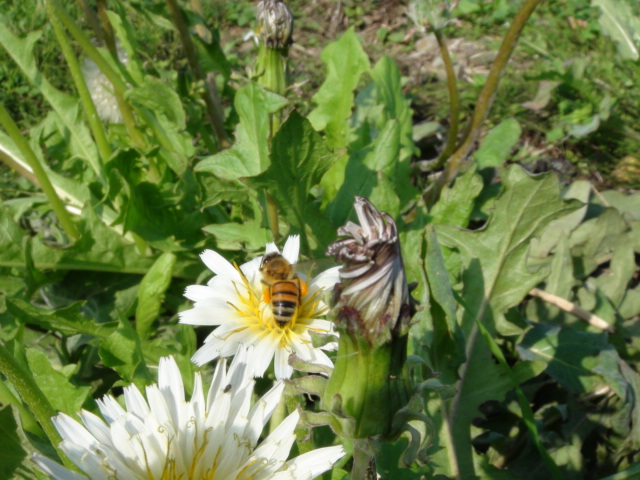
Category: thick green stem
<point>119,85</point>
<point>56,204</point>
<point>34,398</point>
<point>485,99</point>
<point>210,95</point>
<point>271,75</point>
<point>272,216</point>
<point>85,97</point>
<point>364,461</point>
<point>453,100</point>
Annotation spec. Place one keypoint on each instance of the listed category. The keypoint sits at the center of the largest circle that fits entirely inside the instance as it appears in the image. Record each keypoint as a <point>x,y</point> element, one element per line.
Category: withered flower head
<point>374,298</point>
<point>275,23</point>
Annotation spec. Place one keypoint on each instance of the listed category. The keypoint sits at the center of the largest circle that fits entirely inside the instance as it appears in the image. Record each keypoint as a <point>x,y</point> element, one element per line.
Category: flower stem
<point>119,86</point>
<point>56,204</point>
<point>34,398</point>
<point>453,100</point>
<point>485,99</point>
<point>210,95</point>
<point>85,97</point>
<point>364,461</point>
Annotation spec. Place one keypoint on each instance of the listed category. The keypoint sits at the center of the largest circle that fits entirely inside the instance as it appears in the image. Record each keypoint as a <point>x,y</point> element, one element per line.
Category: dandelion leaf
<point>346,61</point>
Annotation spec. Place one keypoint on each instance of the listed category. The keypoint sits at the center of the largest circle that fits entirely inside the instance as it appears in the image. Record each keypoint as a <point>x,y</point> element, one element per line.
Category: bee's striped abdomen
<point>285,297</point>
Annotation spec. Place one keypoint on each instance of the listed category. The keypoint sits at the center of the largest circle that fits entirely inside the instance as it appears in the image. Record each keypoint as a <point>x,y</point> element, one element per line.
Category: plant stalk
<point>85,97</point>
<point>454,113</point>
<point>34,398</point>
<point>119,86</point>
<point>485,99</point>
<point>364,461</point>
<point>56,204</point>
<point>210,95</point>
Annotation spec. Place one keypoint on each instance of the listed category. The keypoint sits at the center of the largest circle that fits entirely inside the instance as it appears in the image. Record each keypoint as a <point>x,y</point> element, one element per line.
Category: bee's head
<point>276,266</point>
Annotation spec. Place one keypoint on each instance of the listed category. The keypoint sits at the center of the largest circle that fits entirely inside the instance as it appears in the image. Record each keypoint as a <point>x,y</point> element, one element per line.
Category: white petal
<point>110,408</point>
<point>281,365</point>
<point>219,265</point>
<point>327,279</point>
<point>74,431</point>
<point>310,464</point>
<point>135,402</point>
<point>291,249</point>
<point>171,387</point>
<point>278,444</point>
<point>54,470</point>
<point>210,316</point>
<point>262,411</point>
<point>271,248</point>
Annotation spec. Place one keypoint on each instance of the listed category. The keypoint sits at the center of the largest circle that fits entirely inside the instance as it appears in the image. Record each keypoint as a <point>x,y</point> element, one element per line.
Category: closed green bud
<point>373,310</point>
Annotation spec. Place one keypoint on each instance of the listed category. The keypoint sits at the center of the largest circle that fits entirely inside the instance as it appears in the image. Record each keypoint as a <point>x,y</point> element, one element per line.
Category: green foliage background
<point>514,383</point>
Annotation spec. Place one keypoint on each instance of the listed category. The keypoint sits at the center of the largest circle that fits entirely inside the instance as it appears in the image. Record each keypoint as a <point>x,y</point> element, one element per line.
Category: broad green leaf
<point>627,204</point>
<point>570,355</point>
<point>388,86</point>
<point>68,320</point>
<point>495,256</point>
<point>346,61</point>
<point>249,156</point>
<point>211,56</point>
<point>442,340</point>
<point>560,282</point>
<point>15,450</point>
<point>250,235</point>
<point>622,269</point>
<point>299,159</point>
<point>593,239</point>
<point>388,82</point>
<point>160,98</point>
<point>66,106</point>
<point>630,306</point>
<point>100,248</point>
<point>618,22</point>
<point>122,351</point>
<point>495,278</point>
<point>151,292</point>
<point>633,397</point>
<point>496,147</point>
<point>125,34</point>
<point>561,227</point>
<point>370,172</point>
<point>56,385</point>
<point>456,202</point>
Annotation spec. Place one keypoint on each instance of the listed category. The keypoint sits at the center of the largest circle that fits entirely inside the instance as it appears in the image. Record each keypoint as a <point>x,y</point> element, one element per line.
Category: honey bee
<point>283,288</point>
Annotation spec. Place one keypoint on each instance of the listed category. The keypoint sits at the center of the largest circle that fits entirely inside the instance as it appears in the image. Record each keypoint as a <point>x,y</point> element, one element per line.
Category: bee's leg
<point>266,295</point>
<point>303,288</point>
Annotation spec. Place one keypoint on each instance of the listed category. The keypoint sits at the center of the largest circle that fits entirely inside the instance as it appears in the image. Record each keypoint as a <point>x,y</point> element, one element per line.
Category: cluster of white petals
<point>101,89</point>
<point>233,302</point>
<point>166,437</point>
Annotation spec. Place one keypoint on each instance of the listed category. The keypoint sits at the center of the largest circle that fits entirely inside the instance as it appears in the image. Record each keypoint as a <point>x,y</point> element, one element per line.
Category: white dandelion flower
<point>166,437</point>
<point>233,301</point>
<point>101,89</point>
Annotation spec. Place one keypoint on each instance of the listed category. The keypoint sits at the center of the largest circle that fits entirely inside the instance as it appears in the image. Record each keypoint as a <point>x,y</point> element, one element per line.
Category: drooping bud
<point>275,23</point>
<point>373,310</point>
<point>373,279</point>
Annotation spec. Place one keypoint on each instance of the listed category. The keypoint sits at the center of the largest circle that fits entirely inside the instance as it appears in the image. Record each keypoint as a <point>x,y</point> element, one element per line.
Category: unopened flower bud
<point>373,310</point>
<point>374,300</point>
<point>275,23</point>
